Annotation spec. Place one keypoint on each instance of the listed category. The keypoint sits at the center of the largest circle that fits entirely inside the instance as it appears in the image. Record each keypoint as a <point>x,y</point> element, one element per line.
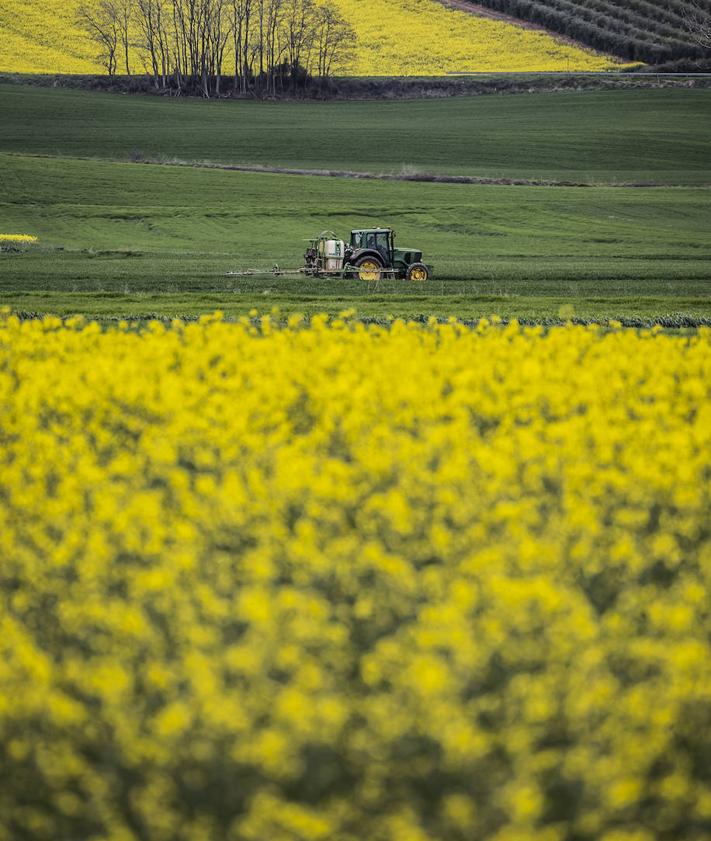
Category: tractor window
<point>375,240</point>
<point>382,243</point>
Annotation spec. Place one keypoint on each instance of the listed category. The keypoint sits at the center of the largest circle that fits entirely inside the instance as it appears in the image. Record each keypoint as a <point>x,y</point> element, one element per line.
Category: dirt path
<point>420,177</point>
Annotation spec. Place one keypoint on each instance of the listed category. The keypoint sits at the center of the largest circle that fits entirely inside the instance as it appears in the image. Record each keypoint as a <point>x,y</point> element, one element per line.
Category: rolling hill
<point>119,236</point>
<point>395,37</point>
<point>652,137</point>
<point>652,31</point>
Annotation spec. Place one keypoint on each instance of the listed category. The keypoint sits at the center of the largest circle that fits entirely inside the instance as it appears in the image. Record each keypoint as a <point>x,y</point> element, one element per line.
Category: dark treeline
<point>220,47</point>
<point>657,32</point>
<point>392,87</point>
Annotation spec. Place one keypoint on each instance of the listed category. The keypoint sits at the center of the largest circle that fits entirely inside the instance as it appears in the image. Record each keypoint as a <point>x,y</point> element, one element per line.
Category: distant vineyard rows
<point>652,31</point>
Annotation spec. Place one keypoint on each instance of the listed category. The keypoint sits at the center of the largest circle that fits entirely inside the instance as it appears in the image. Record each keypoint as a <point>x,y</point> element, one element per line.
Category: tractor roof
<point>371,230</point>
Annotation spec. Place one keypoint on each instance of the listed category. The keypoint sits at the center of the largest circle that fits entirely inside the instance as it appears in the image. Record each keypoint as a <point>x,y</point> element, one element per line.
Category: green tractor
<point>370,255</point>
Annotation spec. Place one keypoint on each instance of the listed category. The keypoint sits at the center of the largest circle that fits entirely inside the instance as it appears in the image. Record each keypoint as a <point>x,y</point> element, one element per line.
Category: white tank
<point>333,248</point>
<point>333,254</point>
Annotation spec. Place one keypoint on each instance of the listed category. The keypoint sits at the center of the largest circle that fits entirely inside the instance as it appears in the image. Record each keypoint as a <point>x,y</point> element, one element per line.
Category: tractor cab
<point>380,240</point>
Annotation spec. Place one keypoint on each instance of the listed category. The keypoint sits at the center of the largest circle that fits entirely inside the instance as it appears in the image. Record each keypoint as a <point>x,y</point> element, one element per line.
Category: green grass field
<point>658,136</point>
<point>119,238</point>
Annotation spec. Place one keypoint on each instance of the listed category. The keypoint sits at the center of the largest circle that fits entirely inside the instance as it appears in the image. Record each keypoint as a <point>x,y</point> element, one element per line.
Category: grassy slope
<point>143,239</point>
<point>395,37</point>
<point>136,238</point>
<point>606,136</point>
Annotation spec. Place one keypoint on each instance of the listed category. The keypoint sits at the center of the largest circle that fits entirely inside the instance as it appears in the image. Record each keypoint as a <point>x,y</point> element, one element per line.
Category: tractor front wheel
<point>417,272</point>
<point>369,269</point>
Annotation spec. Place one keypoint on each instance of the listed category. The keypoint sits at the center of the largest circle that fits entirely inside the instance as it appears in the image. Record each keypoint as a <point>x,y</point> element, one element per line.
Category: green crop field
<point>658,136</point>
<point>122,238</point>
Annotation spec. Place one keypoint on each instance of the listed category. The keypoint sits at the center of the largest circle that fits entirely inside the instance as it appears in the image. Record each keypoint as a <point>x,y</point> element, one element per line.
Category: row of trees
<point>263,46</point>
<point>652,31</point>
<point>697,19</point>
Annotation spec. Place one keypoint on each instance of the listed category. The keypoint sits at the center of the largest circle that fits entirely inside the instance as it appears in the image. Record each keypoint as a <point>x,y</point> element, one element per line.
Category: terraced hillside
<point>652,31</point>
<point>395,37</point>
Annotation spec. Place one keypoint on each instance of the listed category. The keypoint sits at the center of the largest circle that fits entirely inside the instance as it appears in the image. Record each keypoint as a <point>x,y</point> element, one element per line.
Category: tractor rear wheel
<point>369,269</point>
<point>417,272</point>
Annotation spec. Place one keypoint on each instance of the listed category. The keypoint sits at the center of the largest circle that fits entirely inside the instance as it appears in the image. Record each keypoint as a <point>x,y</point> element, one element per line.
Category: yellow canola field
<point>24,239</point>
<point>395,37</point>
<point>423,37</point>
<point>42,37</point>
<point>405,583</point>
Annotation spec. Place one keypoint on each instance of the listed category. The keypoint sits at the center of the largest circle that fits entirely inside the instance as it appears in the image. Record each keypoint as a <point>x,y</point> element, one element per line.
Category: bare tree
<point>125,10</point>
<point>335,38</point>
<point>101,23</point>
<point>261,16</point>
<point>697,20</point>
<point>152,18</point>
<point>274,43</point>
<point>217,36</point>
<point>185,43</point>
<point>300,25</point>
<point>240,19</point>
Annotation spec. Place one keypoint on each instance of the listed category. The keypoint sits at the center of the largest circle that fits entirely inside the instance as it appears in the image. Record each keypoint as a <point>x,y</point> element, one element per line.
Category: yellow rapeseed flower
<point>341,581</point>
<point>20,239</point>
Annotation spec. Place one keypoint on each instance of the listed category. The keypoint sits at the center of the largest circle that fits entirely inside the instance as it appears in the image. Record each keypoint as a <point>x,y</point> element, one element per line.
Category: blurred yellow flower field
<point>25,239</point>
<point>408,583</point>
<point>395,37</point>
